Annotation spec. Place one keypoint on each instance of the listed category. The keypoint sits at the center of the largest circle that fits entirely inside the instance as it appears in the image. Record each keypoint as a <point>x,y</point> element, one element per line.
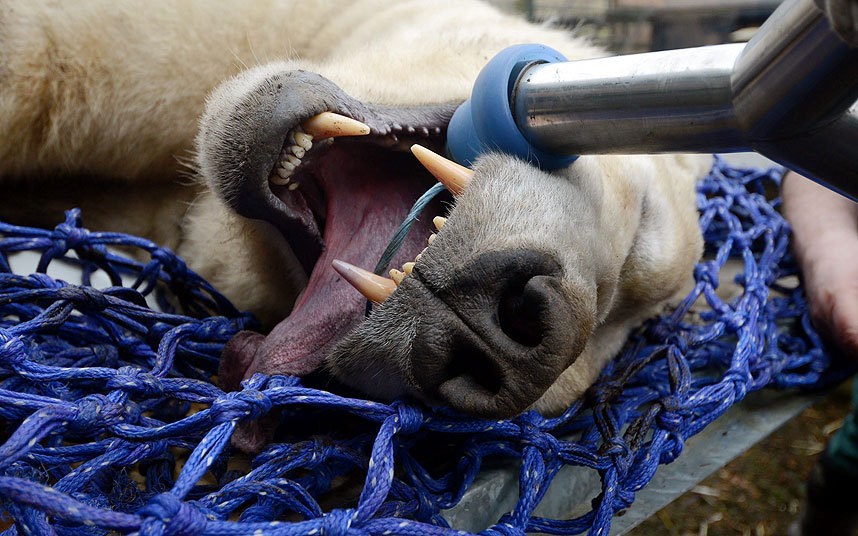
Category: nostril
<point>472,369</point>
<point>520,311</point>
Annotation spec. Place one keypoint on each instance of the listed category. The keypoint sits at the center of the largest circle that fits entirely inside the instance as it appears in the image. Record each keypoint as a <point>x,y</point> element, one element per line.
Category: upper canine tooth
<point>439,222</point>
<point>331,125</point>
<point>453,176</point>
<point>374,287</point>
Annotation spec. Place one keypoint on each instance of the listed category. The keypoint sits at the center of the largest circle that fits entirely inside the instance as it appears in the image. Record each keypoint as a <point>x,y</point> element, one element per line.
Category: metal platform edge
<point>740,428</point>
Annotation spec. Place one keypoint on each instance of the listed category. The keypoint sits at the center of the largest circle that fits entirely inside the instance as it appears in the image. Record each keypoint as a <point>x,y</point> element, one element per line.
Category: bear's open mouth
<point>342,198</point>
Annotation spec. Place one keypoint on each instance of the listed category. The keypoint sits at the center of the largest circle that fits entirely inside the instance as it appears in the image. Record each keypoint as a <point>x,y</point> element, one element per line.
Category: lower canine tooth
<point>374,287</point>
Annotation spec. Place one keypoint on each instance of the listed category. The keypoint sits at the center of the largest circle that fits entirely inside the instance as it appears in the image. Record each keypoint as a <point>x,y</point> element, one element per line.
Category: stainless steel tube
<point>671,101</point>
<point>827,154</point>
<point>794,74</point>
<point>790,94</point>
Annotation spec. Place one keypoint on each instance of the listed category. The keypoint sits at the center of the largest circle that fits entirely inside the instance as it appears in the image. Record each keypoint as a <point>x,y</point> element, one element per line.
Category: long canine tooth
<point>452,175</point>
<point>439,222</point>
<point>374,287</point>
<point>331,125</point>
<point>408,267</point>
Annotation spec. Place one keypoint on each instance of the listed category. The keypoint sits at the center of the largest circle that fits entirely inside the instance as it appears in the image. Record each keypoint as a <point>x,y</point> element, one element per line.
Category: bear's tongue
<point>369,191</point>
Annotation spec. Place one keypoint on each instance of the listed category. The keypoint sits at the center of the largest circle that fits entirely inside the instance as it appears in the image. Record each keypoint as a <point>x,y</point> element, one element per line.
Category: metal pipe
<point>790,94</point>
<point>794,74</point>
<point>675,100</point>
<point>827,154</point>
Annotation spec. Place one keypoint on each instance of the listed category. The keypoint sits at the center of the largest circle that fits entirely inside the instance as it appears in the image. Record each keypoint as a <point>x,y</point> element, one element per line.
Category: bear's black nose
<point>493,336</point>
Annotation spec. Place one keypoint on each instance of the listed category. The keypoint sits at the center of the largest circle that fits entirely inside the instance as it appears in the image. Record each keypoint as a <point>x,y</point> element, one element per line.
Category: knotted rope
<point>113,422</point>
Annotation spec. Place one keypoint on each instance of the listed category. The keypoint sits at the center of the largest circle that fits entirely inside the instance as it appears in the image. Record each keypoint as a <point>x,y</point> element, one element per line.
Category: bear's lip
<point>353,194</point>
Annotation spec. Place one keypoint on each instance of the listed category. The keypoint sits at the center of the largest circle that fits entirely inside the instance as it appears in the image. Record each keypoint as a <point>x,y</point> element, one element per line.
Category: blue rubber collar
<point>485,122</point>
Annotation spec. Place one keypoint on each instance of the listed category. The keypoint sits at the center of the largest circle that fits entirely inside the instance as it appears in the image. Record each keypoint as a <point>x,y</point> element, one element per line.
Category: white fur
<point>107,93</point>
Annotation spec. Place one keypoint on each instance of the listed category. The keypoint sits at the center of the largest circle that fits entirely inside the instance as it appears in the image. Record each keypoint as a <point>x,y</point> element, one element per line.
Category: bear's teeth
<point>283,173</point>
<point>295,161</point>
<point>432,238</point>
<point>294,186</point>
<point>439,222</point>
<point>397,276</point>
<point>453,176</point>
<point>297,151</point>
<point>287,166</point>
<point>374,287</point>
<point>303,139</point>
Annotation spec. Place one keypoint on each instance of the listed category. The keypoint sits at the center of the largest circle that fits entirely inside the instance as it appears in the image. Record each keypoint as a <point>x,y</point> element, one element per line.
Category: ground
<point>759,493</point>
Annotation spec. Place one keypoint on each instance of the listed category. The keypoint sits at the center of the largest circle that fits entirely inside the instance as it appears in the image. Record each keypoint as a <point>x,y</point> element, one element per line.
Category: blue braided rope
<point>113,422</point>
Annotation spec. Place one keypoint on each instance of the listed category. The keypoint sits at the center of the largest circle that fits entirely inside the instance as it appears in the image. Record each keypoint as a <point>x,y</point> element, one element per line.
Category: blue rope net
<point>113,423</point>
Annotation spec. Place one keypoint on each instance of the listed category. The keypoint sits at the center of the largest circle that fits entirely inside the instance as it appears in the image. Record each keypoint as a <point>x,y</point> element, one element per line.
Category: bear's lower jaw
<point>367,192</point>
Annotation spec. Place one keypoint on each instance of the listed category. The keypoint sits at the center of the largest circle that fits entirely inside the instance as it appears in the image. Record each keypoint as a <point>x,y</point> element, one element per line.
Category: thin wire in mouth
<point>376,288</point>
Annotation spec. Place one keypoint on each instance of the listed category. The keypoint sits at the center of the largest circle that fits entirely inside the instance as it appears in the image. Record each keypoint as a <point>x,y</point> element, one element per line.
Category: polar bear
<point>191,123</point>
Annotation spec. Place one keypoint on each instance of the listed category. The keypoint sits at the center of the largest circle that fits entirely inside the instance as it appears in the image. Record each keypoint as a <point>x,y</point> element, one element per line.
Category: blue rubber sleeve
<point>485,122</point>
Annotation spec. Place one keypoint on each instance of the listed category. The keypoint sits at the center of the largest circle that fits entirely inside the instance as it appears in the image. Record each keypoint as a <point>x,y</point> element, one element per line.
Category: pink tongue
<point>367,199</point>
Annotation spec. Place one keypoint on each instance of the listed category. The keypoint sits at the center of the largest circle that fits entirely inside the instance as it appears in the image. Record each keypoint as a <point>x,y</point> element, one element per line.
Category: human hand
<point>825,241</point>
